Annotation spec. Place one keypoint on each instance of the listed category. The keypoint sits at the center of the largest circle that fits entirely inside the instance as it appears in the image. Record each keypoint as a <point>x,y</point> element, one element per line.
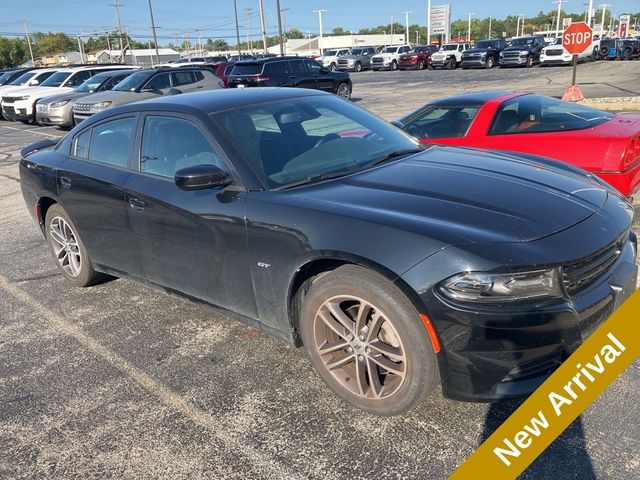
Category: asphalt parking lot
<point>119,381</point>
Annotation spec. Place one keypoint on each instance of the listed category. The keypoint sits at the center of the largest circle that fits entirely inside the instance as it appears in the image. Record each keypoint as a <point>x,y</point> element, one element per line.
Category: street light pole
<point>469,26</point>
<point>590,13</point>
<point>280,27</point>
<point>604,10</point>
<point>558,30</point>
<point>262,25</point>
<point>319,12</point>
<point>406,26</point>
<point>235,11</point>
<point>26,32</point>
<point>153,30</point>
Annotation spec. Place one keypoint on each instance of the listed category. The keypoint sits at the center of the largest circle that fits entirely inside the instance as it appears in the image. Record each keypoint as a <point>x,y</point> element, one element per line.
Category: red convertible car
<point>606,144</point>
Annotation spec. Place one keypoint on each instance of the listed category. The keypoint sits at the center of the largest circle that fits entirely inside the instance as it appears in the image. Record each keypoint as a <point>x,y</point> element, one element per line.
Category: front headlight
<point>478,287</point>
<point>59,104</point>
<point>524,52</point>
<point>101,105</point>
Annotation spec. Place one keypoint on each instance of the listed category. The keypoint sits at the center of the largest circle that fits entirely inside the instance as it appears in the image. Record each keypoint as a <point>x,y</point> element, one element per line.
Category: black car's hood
<point>459,195</point>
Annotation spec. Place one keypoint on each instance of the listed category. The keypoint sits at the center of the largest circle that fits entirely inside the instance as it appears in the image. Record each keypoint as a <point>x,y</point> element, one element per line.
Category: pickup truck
<point>484,54</point>
<point>522,52</point>
<point>330,57</point>
<point>357,60</point>
<point>389,57</point>
<point>417,58</point>
<point>449,56</point>
<point>555,53</point>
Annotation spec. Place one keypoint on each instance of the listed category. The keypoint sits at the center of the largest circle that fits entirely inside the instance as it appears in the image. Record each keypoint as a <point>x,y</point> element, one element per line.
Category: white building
<point>139,56</point>
<point>317,45</point>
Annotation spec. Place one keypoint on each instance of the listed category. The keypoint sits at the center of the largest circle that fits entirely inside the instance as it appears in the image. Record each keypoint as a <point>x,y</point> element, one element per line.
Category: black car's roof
<point>470,99</point>
<point>222,99</point>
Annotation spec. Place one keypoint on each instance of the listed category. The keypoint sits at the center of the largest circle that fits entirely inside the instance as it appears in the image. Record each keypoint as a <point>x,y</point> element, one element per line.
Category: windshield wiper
<point>392,156</point>
<point>316,178</point>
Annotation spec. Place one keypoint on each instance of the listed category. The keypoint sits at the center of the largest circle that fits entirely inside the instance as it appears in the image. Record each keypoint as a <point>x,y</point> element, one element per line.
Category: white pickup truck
<point>330,57</point>
<point>555,54</point>
<point>389,57</point>
<point>449,56</point>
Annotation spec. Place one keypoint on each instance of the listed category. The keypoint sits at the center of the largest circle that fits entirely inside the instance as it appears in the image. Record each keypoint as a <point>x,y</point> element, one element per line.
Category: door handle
<point>65,182</point>
<point>136,204</point>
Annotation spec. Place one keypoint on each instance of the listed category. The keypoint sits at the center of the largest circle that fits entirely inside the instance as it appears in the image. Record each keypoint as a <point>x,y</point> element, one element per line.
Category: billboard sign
<point>440,19</point>
<point>623,26</point>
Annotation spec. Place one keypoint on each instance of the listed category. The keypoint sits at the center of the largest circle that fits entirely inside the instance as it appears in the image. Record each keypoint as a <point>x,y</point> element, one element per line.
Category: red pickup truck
<point>417,58</point>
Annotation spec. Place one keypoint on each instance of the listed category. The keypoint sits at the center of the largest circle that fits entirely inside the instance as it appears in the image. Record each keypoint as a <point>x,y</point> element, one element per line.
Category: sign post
<point>576,38</point>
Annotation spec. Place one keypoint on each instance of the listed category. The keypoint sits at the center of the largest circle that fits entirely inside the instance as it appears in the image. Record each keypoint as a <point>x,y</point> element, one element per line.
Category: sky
<point>214,18</point>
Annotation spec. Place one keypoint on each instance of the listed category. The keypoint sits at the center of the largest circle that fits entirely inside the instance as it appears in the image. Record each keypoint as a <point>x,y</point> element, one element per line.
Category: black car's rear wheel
<point>67,248</point>
<point>344,91</point>
<point>367,342</point>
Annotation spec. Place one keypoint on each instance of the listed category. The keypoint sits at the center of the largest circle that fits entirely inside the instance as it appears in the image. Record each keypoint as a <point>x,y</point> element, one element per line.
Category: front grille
<point>515,54</point>
<point>82,107</point>
<point>8,110</point>
<point>343,62</point>
<point>580,275</point>
<point>377,60</point>
<point>472,55</point>
<point>554,53</point>
<point>9,99</point>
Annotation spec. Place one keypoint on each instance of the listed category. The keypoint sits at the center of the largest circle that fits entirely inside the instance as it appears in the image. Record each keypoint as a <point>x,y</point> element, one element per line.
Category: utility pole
<point>280,28</point>
<point>319,12</point>
<point>117,7</point>
<point>26,32</point>
<point>235,10</point>
<point>489,36</point>
<point>391,25</point>
<point>406,26</point>
<point>428,22</point>
<point>604,10</point>
<point>153,30</point>
<point>248,12</point>
<point>558,27</point>
<point>284,24</point>
<point>262,25</point>
<point>469,26</point>
<point>108,45</point>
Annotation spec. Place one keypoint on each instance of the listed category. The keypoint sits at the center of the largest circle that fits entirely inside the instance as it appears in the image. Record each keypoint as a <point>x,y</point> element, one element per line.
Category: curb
<point>629,104</point>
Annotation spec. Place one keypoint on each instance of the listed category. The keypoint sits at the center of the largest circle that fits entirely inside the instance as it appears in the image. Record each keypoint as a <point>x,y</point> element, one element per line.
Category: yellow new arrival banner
<point>560,399</point>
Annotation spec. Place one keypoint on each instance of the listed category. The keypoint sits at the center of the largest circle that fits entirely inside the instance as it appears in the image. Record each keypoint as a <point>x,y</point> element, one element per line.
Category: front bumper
<point>409,64</point>
<point>17,111</point>
<point>474,62</point>
<point>384,65</point>
<point>513,61</point>
<point>439,62</point>
<point>79,117</point>
<point>555,59</point>
<point>54,116</point>
<point>504,351</point>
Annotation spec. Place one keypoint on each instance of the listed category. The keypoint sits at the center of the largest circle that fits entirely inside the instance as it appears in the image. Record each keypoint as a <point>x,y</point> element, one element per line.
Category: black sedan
<point>397,267</point>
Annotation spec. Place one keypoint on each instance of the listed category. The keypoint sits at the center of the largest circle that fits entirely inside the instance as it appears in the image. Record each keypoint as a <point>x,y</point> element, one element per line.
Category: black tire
<point>421,65</point>
<point>420,367</point>
<point>394,65</point>
<point>375,69</point>
<point>430,66</point>
<point>87,275</point>
<point>488,63</point>
<point>332,67</point>
<point>529,63</point>
<point>451,63</point>
<point>358,67</point>
<point>343,90</point>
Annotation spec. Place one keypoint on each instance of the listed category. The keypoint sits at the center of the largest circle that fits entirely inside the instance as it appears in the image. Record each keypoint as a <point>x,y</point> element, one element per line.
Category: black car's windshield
<point>484,44</point>
<point>522,42</point>
<point>133,81</point>
<point>56,79</point>
<point>91,84</point>
<point>292,141</point>
<point>22,79</point>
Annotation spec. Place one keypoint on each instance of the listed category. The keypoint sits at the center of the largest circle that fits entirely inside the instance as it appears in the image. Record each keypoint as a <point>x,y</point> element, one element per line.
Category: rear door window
<point>182,78</point>
<point>298,67</point>
<point>78,79</point>
<point>110,141</point>
<point>159,82</point>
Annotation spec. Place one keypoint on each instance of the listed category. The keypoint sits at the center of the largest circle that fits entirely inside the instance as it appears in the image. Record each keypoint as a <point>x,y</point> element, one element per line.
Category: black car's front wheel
<point>488,63</point>
<point>67,248</point>
<point>344,91</point>
<point>367,342</point>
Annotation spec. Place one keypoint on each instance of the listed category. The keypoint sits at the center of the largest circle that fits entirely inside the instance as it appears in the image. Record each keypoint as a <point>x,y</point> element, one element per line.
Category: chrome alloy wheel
<point>343,91</point>
<point>65,246</point>
<point>360,347</point>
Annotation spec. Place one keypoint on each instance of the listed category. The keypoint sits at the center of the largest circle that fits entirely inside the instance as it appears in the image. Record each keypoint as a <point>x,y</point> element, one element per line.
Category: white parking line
<point>264,462</point>
<point>30,131</point>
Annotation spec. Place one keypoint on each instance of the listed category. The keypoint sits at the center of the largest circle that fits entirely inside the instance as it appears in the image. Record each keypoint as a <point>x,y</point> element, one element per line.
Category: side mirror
<point>35,82</point>
<point>398,124</point>
<point>174,91</point>
<point>200,177</point>
<point>149,90</point>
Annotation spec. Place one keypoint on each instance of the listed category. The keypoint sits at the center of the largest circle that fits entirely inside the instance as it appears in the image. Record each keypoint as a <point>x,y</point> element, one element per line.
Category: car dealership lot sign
<point>576,38</point>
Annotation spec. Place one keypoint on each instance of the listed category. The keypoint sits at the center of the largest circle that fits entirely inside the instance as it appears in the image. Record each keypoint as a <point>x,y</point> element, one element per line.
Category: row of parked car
<point>522,51</point>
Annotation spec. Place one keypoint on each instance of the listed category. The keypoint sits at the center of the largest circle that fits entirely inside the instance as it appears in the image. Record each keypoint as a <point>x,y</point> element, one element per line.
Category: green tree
<point>52,43</point>
<point>12,52</point>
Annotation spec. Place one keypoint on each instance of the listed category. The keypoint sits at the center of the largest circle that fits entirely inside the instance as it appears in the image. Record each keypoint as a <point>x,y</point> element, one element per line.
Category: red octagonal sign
<point>577,38</point>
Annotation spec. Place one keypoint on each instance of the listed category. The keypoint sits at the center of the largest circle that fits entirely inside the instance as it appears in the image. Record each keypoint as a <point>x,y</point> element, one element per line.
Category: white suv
<point>555,53</point>
<point>389,57</point>
<point>29,78</point>
<point>449,56</point>
<point>330,57</point>
<point>19,104</point>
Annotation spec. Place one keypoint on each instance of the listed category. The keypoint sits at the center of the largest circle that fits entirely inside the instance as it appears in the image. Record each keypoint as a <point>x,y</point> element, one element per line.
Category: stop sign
<point>577,38</point>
